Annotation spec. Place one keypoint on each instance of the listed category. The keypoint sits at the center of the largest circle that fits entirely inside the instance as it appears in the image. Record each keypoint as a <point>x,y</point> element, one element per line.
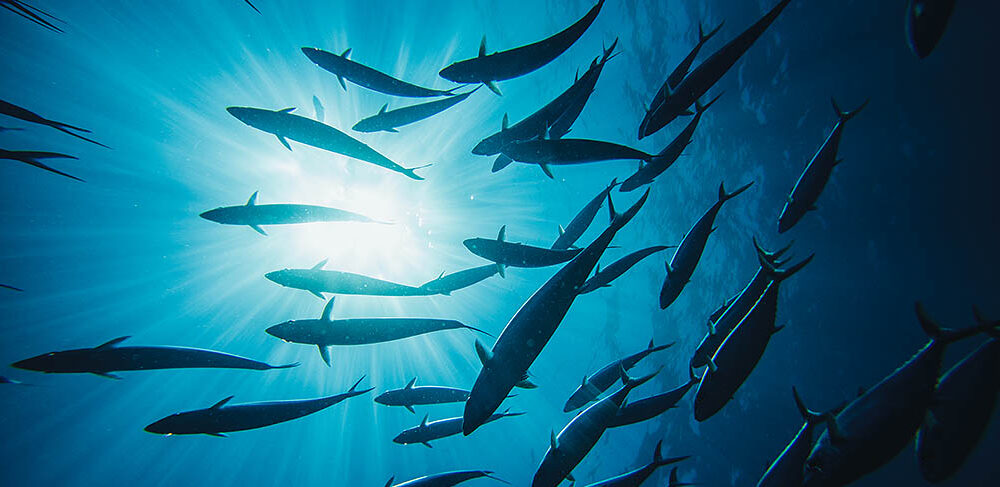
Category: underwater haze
<point>909,215</point>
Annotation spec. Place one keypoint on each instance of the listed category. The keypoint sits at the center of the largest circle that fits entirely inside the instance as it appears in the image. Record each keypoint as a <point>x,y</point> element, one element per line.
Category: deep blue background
<point>911,214</point>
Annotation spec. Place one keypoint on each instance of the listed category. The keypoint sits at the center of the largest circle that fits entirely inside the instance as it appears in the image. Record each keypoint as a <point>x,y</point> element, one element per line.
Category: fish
<point>511,254</point>
<point>318,106</point>
<point>678,74</point>
<point>603,278</point>
<point>653,406</point>
<point>388,121</point>
<point>547,152</point>
<point>255,216</point>
<point>636,477</point>
<point>677,100</point>
<point>743,348</point>
<point>411,395</point>
<point>32,13</point>
<point>531,327</point>
<point>682,265</point>
<point>318,281</point>
<point>926,21</point>
<point>813,179</point>
<point>593,386</point>
<point>282,123</point>
<point>512,63</point>
<point>562,110</point>
<point>220,418</point>
<point>109,357</point>
<point>326,331</point>
<point>32,158</point>
<point>574,442</point>
<point>786,469</point>
<point>648,172</point>
<point>720,326</point>
<point>345,69</point>
<point>12,288</point>
<point>961,409</point>
<point>446,284</point>
<point>442,428</point>
<point>14,111</point>
<point>446,479</point>
<point>882,421</point>
<point>581,222</point>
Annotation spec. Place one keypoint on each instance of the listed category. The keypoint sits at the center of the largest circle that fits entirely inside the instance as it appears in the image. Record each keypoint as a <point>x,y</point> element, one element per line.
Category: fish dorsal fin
<point>598,271</point>
<point>346,54</point>
<point>111,343</point>
<point>423,422</point>
<point>253,199</point>
<point>410,384</point>
<point>504,123</point>
<point>552,440</point>
<point>388,483</point>
<point>319,265</point>
<point>441,275</point>
<point>502,235</point>
<point>382,110</point>
<point>286,110</point>
<point>584,381</point>
<point>327,309</point>
<point>221,403</point>
<point>482,47</point>
<point>483,354</point>
<point>561,230</point>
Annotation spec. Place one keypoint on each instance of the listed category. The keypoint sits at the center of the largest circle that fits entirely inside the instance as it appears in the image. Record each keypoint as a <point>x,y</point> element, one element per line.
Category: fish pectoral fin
<point>428,445</point>
<point>569,477</point>
<point>283,141</point>
<point>546,170</point>
<point>409,408</point>
<point>107,375</point>
<point>343,84</point>
<point>392,130</point>
<point>317,294</point>
<point>219,435</point>
<point>492,85</point>
<point>258,230</point>
<point>325,353</point>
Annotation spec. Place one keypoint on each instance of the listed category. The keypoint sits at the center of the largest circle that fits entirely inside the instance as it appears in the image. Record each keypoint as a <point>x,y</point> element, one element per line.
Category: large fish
<point>603,278</point>
<point>636,477</point>
<point>318,281</point>
<point>220,418</point>
<point>678,74</point>
<point>701,79</point>
<point>813,179</point>
<point>282,123</point>
<point>12,110</point>
<point>879,424</point>
<point>514,254</point>
<point>442,428</point>
<point>361,75</point>
<point>653,406</point>
<point>32,158</point>
<point>446,284</point>
<point>326,331</point>
<point>389,120</point>
<point>786,469</point>
<point>504,65</point>
<point>532,326</point>
<point>682,265</point>
<point>447,479</point>
<point>411,395</point>
<point>581,222</point>
<point>594,385</point>
<point>547,152</point>
<point>255,216</point>
<point>926,21</point>
<point>104,359</point>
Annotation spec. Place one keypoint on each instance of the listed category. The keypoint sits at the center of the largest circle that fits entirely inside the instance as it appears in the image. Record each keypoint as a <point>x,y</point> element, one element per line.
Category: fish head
<point>289,331</point>
<point>178,424</point>
<point>475,245</point>
<point>284,277</point>
<point>367,125</point>
<point>460,72</point>
<point>51,362</point>
<point>385,398</point>
<point>217,215</point>
<point>577,400</point>
<point>488,146</point>
<point>785,221</point>
<point>402,438</point>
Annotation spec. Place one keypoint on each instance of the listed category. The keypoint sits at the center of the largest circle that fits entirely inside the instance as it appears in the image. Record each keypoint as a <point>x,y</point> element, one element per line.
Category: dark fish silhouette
<point>411,395</point>
<point>653,406</point>
<point>581,222</point>
<point>593,386</point>
<point>32,13</point>
<point>220,418</point>
<point>361,75</point>
<point>562,125</point>
<point>32,158</point>
<point>446,479</point>
<point>326,331</point>
<point>636,477</point>
<point>532,326</point>
<point>504,65</point>
<point>786,470</point>
<point>388,120</point>
<point>559,152</point>
<point>317,281</point>
<point>512,254</point>
<point>926,21</point>
<point>603,278</point>
<point>446,284</point>
<point>254,215</point>
<point>701,79</point>
<point>109,357</point>
<point>442,428</point>
<point>685,259</point>
<point>810,185</point>
<point>678,74</point>
<point>879,424</point>
<point>284,124</point>
<point>12,110</point>
<point>318,106</point>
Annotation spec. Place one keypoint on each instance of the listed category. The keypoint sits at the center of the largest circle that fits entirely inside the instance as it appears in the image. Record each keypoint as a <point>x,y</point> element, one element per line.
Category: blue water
<point>911,214</point>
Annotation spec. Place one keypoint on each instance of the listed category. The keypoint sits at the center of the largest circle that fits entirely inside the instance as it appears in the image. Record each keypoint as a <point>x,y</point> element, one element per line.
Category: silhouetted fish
<point>411,395</point>
<point>361,75</point>
<point>594,385</point>
<point>442,428</point>
<point>254,215</point>
<point>514,254</point>
<point>581,222</point>
<point>603,278</point>
<point>786,470</point>
<point>446,284</point>
<point>317,281</point>
<point>636,477</point>
<point>446,479</point>
<point>559,152</point>
<point>31,158</point>
<point>653,406</point>
<point>388,120</point>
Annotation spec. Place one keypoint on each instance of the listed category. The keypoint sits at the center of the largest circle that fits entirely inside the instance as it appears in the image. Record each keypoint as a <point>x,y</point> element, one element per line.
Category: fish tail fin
<point>609,52</point>
<point>502,161</point>
<point>674,482</point>
<point>353,391</point>
<point>413,175</point>
<point>845,116</point>
<point>484,332</point>
<point>285,366</point>
<point>659,461</point>
<point>779,275</point>
<point>724,196</point>
<point>490,475</point>
<point>937,332</point>
<point>771,257</point>
<point>501,270</point>
<point>74,134</point>
<point>622,219</point>
<point>699,108</point>
<point>811,417</point>
<point>703,38</point>
<point>630,383</point>
<point>651,348</point>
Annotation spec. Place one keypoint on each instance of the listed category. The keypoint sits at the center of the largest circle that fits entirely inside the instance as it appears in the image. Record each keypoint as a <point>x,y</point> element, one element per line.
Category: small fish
<point>581,222</point>
<point>446,284</point>
<point>512,254</point>
<point>361,75</point>
<point>411,395</point>
<point>547,152</point>
<point>436,430</point>
<point>603,278</point>
<point>653,406</point>
<point>255,216</point>
<point>318,281</point>
<point>12,288</point>
<point>388,121</point>
<point>594,385</point>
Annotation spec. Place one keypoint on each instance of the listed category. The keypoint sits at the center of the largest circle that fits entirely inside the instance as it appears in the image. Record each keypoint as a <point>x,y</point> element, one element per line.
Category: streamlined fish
<point>361,75</point>
<point>743,348</point>
<point>442,428</point>
<point>653,406</point>
<point>688,253</point>
<point>104,359</point>
<point>701,79</point>
<point>813,179</point>
<point>636,477</point>
<point>446,479</point>
<point>282,123</point>
<point>678,74</point>
<point>389,120</point>
<point>926,21</point>
<point>326,331</point>
<point>318,281</point>
<point>446,284</point>
<point>559,152</point>
<point>594,385</point>
<point>32,158</point>
<point>14,111</point>
<point>512,254</point>
<point>532,326</point>
<point>411,395</point>
<point>504,65</point>
<point>574,107</point>
<point>221,418</point>
<point>603,278</point>
<point>876,426</point>
<point>255,216</point>
<point>581,222</point>
<point>32,13</point>
<point>786,470</point>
